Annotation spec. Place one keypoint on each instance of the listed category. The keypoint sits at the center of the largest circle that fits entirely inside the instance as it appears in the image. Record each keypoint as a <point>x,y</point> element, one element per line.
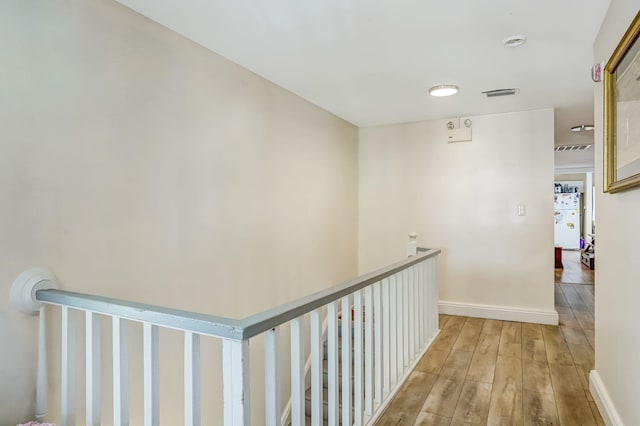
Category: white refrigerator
<point>567,220</point>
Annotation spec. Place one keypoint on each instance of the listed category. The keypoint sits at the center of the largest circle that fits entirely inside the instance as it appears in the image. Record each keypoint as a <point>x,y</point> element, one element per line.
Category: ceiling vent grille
<point>500,92</point>
<point>562,148</point>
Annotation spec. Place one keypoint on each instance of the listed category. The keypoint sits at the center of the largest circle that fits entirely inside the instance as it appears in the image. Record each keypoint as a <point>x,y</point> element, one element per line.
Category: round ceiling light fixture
<point>443,90</point>
<point>514,41</point>
<point>583,128</point>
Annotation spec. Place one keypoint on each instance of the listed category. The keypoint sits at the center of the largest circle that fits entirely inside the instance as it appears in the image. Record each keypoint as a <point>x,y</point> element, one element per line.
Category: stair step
<point>307,421</point>
<point>325,402</point>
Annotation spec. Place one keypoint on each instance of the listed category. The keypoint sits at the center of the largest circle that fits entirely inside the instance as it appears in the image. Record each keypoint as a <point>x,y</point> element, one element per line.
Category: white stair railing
<point>378,327</point>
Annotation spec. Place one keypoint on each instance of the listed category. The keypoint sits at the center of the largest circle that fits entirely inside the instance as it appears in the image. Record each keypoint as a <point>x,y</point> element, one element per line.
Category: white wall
<point>463,198</point>
<point>136,164</point>
<point>617,268</point>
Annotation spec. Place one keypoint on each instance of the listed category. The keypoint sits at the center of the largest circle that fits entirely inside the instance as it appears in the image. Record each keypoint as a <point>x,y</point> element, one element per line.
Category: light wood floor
<point>488,372</point>
<point>574,271</point>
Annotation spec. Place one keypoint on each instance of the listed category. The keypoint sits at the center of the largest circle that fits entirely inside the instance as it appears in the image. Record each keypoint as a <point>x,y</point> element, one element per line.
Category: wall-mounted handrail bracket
<point>25,286</point>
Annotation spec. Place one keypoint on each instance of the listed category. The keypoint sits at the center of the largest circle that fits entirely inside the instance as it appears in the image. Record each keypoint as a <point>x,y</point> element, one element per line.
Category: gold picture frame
<point>622,113</point>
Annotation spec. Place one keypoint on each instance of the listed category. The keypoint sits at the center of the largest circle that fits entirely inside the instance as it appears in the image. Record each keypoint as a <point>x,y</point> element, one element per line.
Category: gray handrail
<point>226,328</point>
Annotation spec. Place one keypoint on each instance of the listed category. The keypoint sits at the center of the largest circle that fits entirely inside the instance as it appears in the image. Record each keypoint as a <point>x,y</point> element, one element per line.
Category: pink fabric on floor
<point>32,423</point>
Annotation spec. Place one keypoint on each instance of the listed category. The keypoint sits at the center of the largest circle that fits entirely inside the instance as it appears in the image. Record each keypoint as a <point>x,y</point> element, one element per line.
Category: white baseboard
<point>603,400</point>
<point>499,312</point>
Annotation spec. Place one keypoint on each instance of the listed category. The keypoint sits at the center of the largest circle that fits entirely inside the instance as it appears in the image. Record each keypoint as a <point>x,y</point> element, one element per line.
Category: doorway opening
<point>574,229</point>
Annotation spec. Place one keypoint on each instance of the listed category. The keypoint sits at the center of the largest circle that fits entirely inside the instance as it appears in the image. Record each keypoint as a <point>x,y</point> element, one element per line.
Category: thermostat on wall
<point>459,135</point>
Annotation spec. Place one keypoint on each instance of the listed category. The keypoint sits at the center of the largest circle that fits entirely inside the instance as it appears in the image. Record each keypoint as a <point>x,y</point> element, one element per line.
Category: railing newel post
<point>412,244</point>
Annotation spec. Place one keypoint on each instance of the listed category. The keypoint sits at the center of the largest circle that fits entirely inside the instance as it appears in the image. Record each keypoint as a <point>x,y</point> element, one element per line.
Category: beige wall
<point>617,270</point>
<point>136,164</point>
<point>463,198</point>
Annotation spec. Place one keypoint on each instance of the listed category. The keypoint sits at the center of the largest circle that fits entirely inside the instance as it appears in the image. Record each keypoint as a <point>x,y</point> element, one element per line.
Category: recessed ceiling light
<point>443,90</point>
<point>514,41</point>
<point>583,128</point>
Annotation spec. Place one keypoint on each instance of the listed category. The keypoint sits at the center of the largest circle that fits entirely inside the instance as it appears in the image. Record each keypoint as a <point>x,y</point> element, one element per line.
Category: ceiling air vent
<point>500,92</point>
<point>562,148</point>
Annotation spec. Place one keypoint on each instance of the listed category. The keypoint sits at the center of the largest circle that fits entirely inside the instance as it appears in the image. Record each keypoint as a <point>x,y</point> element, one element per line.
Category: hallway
<point>499,372</point>
<point>574,271</point>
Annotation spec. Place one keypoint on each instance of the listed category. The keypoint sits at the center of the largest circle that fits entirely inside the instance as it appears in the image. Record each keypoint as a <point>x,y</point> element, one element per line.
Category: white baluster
<point>92,363</point>
<point>434,286</point>
<point>41,388</point>
<point>411,285</point>
<point>393,330</point>
<point>400,321</point>
<point>421,305</point>
<point>316,368</point>
<point>346,360</point>
<point>427,306</point>
<point>235,376</point>
<point>377,342</point>
<point>120,373</point>
<point>297,373</point>
<point>192,412</point>
<point>405,320</point>
<point>151,375</point>
<point>68,368</point>
<point>418,320</point>
<point>271,378</point>
<point>386,347</point>
<point>416,300</point>
<point>428,301</point>
<point>332,349</point>
<point>368,350</point>
<point>358,390</point>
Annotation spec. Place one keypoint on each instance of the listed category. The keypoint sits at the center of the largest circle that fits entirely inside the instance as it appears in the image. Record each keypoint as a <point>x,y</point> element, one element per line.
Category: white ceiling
<point>372,62</point>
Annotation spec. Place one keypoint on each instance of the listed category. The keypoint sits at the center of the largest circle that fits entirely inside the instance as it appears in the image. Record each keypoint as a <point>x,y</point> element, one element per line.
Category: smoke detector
<point>500,92</point>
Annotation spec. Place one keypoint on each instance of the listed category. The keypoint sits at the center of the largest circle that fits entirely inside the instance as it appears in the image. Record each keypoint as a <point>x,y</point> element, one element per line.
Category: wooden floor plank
<point>428,419</point>
<point>432,361</point>
<point>506,395</point>
<point>536,376</point>
<point>456,364</point>
<point>583,374</point>
<point>565,379</point>
<point>561,301</point>
<point>449,334</point>
<point>556,347</point>
<point>591,337</point>
<point>574,409</point>
<point>468,337</point>
<point>396,418</point>
<point>511,340</point>
<point>596,413</point>
<point>442,320</point>
<point>413,393</point>
<point>571,295</point>
<point>574,335</point>
<point>586,295</point>
<point>566,317</point>
<point>443,398</point>
<point>492,327</point>
<point>539,409</point>
<point>483,363</point>
<point>582,354</point>
<point>473,406</point>
<point>585,319</point>
<point>533,342</point>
